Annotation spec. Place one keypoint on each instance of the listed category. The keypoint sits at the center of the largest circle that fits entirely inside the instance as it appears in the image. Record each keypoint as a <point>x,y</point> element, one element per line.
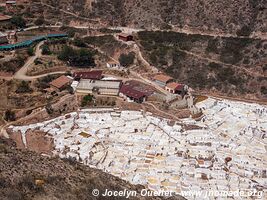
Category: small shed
<point>125,37</point>
<point>113,64</point>
<point>11,2</point>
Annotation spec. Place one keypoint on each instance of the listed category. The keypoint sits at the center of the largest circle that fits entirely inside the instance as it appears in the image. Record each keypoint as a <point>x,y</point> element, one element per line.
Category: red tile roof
<point>163,78</point>
<point>131,92</point>
<point>95,75</point>
<point>60,82</point>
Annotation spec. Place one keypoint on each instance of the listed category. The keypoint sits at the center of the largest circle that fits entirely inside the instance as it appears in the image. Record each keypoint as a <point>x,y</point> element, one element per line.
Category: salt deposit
<point>146,150</point>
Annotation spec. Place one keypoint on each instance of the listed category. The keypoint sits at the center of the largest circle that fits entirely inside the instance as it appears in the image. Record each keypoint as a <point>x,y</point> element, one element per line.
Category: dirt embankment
<point>36,141</point>
<point>26,175</point>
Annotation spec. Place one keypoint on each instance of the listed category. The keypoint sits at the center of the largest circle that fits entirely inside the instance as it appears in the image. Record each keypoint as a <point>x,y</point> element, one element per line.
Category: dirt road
<point>22,73</point>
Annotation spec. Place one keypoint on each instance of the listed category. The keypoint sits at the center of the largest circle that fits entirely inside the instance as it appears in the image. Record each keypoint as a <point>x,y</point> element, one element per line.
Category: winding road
<point>22,73</point>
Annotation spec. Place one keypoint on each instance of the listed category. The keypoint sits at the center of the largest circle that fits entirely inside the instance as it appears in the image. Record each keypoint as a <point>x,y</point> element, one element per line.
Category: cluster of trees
<point>152,39</point>
<point>244,31</point>
<point>78,42</point>
<point>86,100</point>
<point>13,65</point>
<point>46,50</point>
<point>24,87</point>
<point>101,40</point>
<point>18,21</point>
<point>106,30</point>
<point>77,58</point>
<point>127,59</point>
<point>69,30</point>
<point>43,83</point>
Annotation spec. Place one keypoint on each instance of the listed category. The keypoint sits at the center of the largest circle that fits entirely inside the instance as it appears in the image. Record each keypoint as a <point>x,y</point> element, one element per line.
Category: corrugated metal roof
<point>131,92</point>
<point>96,75</point>
<point>90,84</point>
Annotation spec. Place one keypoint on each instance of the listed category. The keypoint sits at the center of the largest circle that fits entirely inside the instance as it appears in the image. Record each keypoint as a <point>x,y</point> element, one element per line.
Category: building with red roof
<point>61,83</point>
<point>93,75</point>
<point>174,88</point>
<point>162,80</point>
<point>133,94</point>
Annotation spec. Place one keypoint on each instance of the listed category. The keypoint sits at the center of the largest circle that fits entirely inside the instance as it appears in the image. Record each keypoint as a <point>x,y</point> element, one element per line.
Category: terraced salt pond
<point>148,150</point>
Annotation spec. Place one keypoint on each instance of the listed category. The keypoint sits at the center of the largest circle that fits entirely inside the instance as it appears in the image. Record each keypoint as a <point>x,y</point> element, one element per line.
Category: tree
<point>87,99</point>
<point>49,108</point>
<point>18,21</point>
<point>10,115</point>
<point>30,51</point>
<point>127,59</point>
<point>46,50</point>
<point>40,21</point>
<point>37,61</point>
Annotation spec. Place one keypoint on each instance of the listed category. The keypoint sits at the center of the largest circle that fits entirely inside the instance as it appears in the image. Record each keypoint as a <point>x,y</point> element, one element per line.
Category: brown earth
<point>229,16</point>
<point>26,175</point>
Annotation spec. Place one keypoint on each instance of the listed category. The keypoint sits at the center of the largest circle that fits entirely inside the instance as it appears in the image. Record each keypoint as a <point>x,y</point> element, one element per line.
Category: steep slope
<point>229,16</point>
<point>229,66</point>
<point>25,175</point>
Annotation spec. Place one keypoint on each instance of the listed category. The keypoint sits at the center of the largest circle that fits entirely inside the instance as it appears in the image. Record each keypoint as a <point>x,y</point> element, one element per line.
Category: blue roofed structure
<point>30,42</point>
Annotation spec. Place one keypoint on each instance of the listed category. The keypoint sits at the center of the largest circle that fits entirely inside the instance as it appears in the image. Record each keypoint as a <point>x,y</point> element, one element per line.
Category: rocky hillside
<point>213,57</point>
<point>26,175</point>
<point>229,16</point>
<point>229,66</point>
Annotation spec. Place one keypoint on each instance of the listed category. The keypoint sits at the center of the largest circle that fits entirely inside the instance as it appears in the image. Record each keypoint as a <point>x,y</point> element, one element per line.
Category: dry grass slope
<point>25,175</point>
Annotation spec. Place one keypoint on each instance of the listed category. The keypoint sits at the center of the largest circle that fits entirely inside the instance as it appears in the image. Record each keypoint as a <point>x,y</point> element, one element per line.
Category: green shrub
<point>46,50</point>
<point>30,51</point>
<point>127,59</point>
<point>86,100</point>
